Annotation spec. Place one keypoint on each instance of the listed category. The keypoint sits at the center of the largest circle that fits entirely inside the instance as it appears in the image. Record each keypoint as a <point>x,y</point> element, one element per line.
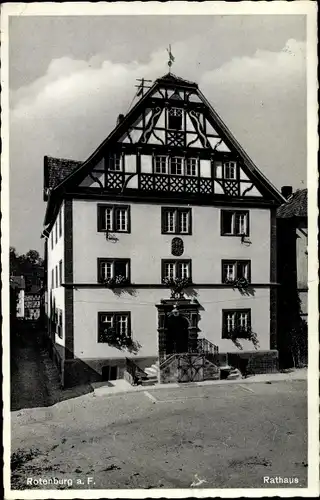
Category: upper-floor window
<point>52,278</point>
<point>176,220</point>
<point>115,218</point>
<point>234,223</point>
<point>232,319</point>
<point>113,322</point>
<point>176,165</point>
<point>115,162</point>
<point>51,238</point>
<point>60,222</point>
<point>176,269</point>
<point>191,166</point>
<point>57,277</point>
<point>175,116</point>
<point>161,165</point>
<point>56,231</point>
<point>235,269</point>
<point>60,272</point>
<point>230,170</point>
<point>114,268</point>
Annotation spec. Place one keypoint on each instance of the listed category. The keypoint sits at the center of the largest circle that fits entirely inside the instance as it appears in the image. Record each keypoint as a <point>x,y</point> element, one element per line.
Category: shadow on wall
<point>249,291</point>
<point>120,291</point>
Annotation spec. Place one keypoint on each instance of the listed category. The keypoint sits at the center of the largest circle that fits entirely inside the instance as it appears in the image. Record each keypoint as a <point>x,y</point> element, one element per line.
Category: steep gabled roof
<point>171,78</point>
<point>62,172</point>
<point>295,206</point>
<point>58,169</point>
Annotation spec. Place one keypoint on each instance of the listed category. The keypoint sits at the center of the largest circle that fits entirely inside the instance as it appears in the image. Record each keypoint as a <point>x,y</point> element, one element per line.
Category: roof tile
<point>296,206</point>
<point>58,169</point>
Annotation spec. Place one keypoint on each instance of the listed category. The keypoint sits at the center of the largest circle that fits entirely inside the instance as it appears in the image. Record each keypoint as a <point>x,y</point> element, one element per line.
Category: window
<point>176,220</point>
<point>230,170</point>
<point>191,166</point>
<point>59,323</point>
<point>235,269</point>
<point>51,238</point>
<point>56,230</point>
<point>115,218</point>
<point>115,162</point>
<point>112,268</point>
<point>176,269</point>
<point>176,165</point>
<point>52,278</point>
<point>117,322</point>
<point>234,223</point>
<point>161,165</point>
<point>57,279</point>
<point>60,223</point>
<point>60,273</point>
<point>175,118</point>
<point>239,318</point>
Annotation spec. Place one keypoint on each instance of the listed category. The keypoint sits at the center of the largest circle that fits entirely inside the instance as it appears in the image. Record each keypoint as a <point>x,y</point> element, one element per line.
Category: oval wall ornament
<point>177,247</point>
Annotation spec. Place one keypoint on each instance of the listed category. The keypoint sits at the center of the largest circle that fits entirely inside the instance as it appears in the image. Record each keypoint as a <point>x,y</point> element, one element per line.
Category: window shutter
<point>101,217</point>
<point>224,324</point>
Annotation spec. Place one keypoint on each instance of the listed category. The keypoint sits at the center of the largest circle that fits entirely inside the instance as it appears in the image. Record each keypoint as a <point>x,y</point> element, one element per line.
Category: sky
<point>70,77</point>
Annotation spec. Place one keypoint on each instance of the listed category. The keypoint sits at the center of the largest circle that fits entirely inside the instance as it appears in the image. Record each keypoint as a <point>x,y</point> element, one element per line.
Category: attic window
<point>175,119</point>
<point>115,162</point>
<point>230,170</point>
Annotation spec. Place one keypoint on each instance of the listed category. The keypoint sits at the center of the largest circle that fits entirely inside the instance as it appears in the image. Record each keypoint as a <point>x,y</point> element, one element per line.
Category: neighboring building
<point>292,230</point>
<point>17,283</point>
<point>293,243</point>
<point>33,303</point>
<point>169,194</point>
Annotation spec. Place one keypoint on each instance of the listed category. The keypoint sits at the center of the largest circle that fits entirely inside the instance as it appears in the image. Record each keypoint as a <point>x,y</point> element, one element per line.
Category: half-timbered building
<point>161,243</point>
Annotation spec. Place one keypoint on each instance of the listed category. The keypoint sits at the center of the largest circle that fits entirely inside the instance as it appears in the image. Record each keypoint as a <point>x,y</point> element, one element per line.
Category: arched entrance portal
<point>177,326</point>
<point>177,334</point>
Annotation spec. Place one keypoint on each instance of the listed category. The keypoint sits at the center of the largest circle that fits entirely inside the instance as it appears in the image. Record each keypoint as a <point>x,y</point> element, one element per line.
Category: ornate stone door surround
<point>189,309</point>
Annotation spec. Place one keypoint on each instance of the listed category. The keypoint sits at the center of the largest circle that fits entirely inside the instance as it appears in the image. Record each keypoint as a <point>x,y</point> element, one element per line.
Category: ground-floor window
<point>113,325</point>
<point>59,329</point>
<point>236,320</point>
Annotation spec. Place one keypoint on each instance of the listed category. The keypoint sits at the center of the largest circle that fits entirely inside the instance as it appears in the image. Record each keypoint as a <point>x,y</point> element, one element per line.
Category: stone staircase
<point>152,373</point>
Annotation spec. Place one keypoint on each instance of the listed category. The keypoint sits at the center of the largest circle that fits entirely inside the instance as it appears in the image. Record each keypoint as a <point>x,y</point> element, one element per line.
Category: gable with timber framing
<point>172,143</point>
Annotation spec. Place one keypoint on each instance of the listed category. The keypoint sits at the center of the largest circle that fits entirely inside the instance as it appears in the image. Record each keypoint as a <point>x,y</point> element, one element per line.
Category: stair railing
<point>135,371</point>
<point>204,346</point>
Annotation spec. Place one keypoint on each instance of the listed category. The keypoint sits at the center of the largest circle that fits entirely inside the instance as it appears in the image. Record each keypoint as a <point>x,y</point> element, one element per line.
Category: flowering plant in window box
<point>117,280</point>
<point>240,283</point>
<point>243,332</point>
<point>123,342</point>
<point>177,285</point>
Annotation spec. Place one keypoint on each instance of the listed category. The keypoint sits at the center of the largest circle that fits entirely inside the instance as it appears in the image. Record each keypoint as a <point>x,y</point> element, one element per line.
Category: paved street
<point>214,436</point>
<point>29,388</point>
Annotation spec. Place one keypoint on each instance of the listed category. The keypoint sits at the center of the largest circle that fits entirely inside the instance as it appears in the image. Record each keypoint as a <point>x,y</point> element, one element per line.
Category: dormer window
<point>115,162</point>
<point>230,170</point>
<point>175,119</point>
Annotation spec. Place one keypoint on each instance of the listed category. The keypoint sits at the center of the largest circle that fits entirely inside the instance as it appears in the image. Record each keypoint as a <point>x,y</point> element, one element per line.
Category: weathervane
<point>171,58</point>
<point>142,86</point>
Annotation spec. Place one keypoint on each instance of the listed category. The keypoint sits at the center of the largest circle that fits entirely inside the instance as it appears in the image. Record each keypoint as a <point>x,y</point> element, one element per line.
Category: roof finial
<point>171,58</point>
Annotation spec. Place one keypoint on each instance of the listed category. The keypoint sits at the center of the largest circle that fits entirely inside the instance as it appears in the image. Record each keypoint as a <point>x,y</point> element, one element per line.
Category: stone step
<point>149,381</point>
<point>151,371</point>
<point>155,367</point>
